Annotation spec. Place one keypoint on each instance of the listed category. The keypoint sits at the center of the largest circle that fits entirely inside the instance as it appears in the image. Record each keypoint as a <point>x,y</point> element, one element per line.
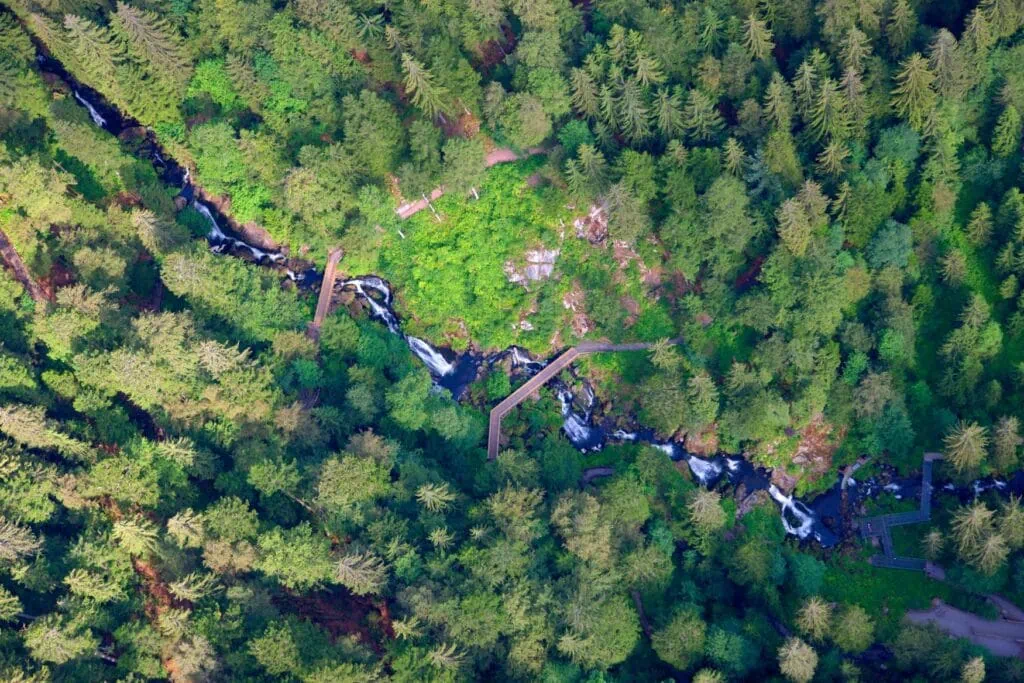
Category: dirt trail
<point>17,266</point>
<point>1001,637</point>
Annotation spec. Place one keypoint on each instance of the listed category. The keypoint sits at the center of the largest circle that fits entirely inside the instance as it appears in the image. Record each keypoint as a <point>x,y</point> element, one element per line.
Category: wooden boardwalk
<point>880,525</point>
<point>537,381</point>
<point>323,304</point>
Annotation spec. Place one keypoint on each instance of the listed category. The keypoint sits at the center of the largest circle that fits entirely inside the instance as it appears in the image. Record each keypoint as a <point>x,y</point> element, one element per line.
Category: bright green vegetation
<point>823,199</point>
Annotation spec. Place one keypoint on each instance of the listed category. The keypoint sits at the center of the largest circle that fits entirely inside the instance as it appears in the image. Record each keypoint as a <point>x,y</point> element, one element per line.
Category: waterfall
<point>802,523</point>
<point>215,234</point>
<point>577,426</point>
<point>379,311</point>
<point>430,356</point>
<point>707,472</point>
<point>97,118</point>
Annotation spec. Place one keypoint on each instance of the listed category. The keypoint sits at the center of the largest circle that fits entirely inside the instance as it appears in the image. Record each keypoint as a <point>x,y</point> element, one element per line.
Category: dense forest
<point>820,200</point>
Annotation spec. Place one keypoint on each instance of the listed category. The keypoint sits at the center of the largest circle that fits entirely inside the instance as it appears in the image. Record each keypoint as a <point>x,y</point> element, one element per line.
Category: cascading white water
<point>575,425</point>
<point>97,118</point>
<point>215,232</point>
<point>430,356</point>
<point>217,235</point>
<point>799,512</point>
<point>379,311</point>
<point>706,471</point>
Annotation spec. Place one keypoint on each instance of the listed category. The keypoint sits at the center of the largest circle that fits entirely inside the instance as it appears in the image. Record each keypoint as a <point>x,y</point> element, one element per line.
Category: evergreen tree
<point>797,660</point>
<point>913,97</point>
<point>151,38</point>
<point>423,91</point>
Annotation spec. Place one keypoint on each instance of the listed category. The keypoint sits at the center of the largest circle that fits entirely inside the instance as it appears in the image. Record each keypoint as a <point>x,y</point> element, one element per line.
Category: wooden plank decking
<point>323,304</point>
<point>537,381</point>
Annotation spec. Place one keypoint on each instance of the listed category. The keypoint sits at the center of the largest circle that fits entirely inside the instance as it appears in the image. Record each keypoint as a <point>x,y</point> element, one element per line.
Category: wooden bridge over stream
<point>541,378</point>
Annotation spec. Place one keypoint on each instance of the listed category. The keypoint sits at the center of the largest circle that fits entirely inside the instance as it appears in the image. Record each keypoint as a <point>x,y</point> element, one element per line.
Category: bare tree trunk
<point>646,625</point>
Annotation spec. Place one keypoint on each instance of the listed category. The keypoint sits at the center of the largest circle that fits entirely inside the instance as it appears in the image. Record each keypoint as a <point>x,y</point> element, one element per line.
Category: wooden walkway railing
<point>323,304</point>
<point>880,525</point>
<point>537,381</point>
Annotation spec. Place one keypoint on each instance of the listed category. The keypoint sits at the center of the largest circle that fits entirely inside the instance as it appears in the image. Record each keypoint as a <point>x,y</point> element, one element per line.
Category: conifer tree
<point>778,102</point>
<point>830,116</point>
<point>797,660</point>
<point>668,112</point>
<point>703,122</point>
<point>966,444</point>
<point>900,27</point>
<point>1006,137</point>
<point>913,97</point>
<point>815,619</point>
<point>757,37</point>
<point>419,83</point>
<point>584,93</point>
<point>152,39</point>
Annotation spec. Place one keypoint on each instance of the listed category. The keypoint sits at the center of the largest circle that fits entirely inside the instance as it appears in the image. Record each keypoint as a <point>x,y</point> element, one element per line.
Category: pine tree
<point>16,542</point>
<point>608,105</point>
<point>668,112</point>
<point>954,267</point>
<point>735,157</point>
<point>971,526</point>
<point>757,37</point>
<point>703,122</point>
<point>362,573</point>
<point>965,445</point>
<point>1005,16</point>
<point>1006,137</point>
<point>973,671</point>
<point>584,93</point>
<point>10,606</point>
<point>95,54</point>
<point>138,536</point>
<point>797,660</point>
<point>831,114</point>
<point>634,117</point>
<point>1006,443</point>
<point>424,93</point>
<point>932,544</point>
<point>647,69</point>
<point>778,102</point>
<point>794,227</point>
<point>815,618</point>
<point>947,64</point>
<point>153,40</point>
<point>194,586</point>
<point>805,87</point>
<point>992,554</point>
<point>832,158</point>
<point>901,26</point>
<point>1011,523</point>
<point>913,97</point>
<point>979,229</point>
<point>435,497</point>
<point>856,48</point>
